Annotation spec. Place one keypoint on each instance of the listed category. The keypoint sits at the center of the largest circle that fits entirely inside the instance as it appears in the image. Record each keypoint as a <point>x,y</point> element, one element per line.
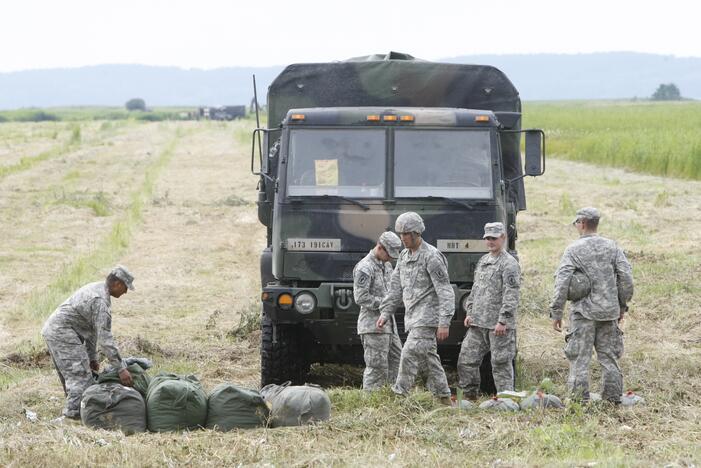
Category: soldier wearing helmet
<point>420,280</point>
<point>596,308</point>
<point>381,346</point>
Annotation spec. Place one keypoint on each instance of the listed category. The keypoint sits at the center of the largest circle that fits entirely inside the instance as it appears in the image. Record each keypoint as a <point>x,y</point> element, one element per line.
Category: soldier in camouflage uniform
<point>421,281</point>
<point>491,316</point>
<point>74,330</point>
<point>381,346</point>
<point>593,318</point>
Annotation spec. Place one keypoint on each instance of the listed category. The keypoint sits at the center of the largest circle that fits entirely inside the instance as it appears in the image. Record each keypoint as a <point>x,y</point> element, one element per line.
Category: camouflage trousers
<point>607,339</point>
<point>477,343</point>
<point>381,352</point>
<point>73,367</point>
<point>420,353</point>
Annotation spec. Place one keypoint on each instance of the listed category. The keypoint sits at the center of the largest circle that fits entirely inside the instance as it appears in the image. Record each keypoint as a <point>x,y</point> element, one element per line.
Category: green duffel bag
<point>296,405</point>
<point>231,407</point>
<point>113,406</point>
<point>175,402</point>
<point>138,374</point>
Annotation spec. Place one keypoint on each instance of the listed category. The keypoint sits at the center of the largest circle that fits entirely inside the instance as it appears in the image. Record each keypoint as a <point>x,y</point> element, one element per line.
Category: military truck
<point>351,145</point>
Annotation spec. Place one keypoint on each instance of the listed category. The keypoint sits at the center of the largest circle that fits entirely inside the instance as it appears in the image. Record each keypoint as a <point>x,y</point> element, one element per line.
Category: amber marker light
<point>285,300</point>
<point>482,118</point>
<point>297,117</point>
<point>373,118</point>
<point>389,118</point>
<point>406,118</point>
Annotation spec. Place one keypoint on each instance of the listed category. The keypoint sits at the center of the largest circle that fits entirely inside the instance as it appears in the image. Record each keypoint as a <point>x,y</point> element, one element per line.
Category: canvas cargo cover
<point>138,374</point>
<point>400,80</point>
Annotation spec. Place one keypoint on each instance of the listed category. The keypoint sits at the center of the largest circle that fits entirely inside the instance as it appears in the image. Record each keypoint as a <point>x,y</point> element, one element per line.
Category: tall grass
<point>654,138</point>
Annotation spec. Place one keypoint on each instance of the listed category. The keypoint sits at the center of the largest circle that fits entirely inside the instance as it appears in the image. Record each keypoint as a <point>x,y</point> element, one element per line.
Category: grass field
<point>174,201</point>
<point>659,138</point>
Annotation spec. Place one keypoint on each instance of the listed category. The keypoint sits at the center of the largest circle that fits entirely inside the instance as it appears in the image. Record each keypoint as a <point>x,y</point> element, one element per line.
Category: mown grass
<point>92,113</point>
<point>107,251</point>
<point>654,138</point>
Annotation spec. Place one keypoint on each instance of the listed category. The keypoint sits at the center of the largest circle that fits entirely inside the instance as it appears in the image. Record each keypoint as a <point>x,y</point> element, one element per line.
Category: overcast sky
<point>217,33</point>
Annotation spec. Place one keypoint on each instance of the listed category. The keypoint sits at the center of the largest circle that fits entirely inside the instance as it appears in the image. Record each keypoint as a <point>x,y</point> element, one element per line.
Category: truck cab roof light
<point>406,118</point>
<point>373,118</point>
<point>297,117</point>
<point>482,118</point>
<point>389,118</point>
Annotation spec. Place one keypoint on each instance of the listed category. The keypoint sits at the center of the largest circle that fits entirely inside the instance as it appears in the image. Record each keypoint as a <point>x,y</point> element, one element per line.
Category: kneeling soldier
<point>491,316</point>
<point>381,346</point>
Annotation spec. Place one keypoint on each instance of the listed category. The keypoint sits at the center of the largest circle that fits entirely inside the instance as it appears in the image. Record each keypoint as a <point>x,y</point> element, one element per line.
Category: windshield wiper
<point>451,200</point>
<point>340,197</point>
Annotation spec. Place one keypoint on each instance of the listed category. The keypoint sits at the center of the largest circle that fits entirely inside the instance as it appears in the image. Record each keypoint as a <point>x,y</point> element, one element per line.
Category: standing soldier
<point>381,346</point>
<point>73,331</point>
<point>421,281</point>
<point>603,267</point>
<point>491,316</point>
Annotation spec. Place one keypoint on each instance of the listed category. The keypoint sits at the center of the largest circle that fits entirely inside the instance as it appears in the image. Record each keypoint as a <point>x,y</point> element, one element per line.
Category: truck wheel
<point>283,359</point>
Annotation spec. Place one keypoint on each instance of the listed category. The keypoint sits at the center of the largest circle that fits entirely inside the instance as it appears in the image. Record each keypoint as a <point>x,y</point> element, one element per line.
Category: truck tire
<point>282,357</point>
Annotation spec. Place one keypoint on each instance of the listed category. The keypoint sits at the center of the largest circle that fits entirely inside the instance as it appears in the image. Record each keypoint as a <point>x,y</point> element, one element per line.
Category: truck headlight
<point>463,302</point>
<point>305,303</point>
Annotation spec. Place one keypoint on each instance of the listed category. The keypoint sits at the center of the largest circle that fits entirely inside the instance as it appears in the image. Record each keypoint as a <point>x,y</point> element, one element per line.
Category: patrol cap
<point>587,213</point>
<point>409,222</point>
<point>123,274</point>
<point>390,241</point>
<point>493,230</point>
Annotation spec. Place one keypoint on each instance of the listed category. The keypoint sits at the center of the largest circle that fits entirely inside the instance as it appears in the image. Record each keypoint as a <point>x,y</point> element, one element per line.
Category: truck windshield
<point>349,163</point>
<point>443,163</point>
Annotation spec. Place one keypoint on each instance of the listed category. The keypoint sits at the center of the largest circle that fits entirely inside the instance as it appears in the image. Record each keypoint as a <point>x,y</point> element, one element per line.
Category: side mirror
<point>535,152</point>
<point>262,161</point>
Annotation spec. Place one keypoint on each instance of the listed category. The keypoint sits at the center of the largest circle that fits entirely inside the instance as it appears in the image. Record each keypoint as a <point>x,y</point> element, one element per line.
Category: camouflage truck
<point>349,147</point>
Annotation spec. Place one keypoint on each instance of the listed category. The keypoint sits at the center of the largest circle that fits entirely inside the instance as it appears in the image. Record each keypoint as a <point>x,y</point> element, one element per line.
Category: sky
<point>36,34</point>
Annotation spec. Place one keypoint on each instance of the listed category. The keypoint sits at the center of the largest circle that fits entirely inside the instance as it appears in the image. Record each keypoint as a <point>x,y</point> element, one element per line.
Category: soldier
<point>381,346</point>
<point>593,318</point>
<point>73,331</point>
<point>491,316</point>
<point>421,281</point>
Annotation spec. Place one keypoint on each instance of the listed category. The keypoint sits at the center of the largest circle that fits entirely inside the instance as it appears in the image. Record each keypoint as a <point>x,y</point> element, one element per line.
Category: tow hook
<point>344,298</point>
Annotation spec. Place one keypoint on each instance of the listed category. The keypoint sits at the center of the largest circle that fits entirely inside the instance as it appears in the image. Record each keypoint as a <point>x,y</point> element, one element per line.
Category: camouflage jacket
<point>86,317</point>
<point>609,273</point>
<point>421,281</point>
<point>495,293</point>
<point>370,282</point>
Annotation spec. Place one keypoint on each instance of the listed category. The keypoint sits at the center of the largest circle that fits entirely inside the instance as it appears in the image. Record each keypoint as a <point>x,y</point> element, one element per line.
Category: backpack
<point>113,406</point>
<point>296,405</point>
<point>231,407</point>
<point>175,402</point>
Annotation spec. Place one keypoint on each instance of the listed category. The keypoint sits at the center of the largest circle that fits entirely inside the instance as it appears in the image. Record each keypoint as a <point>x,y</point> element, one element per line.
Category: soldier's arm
<point>362,279</point>
<point>91,348</point>
<point>562,282</point>
<point>624,279</point>
<point>394,296</point>
<point>511,281</point>
<point>438,271</point>
<point>104,335</point>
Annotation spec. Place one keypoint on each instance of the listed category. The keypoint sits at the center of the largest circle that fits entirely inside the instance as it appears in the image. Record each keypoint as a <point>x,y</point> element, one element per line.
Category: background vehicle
<point>349,147</point>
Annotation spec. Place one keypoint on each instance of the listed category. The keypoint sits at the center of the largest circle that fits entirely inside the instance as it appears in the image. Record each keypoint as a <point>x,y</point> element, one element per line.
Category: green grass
<point>87,113</point>
<point>654,138</point>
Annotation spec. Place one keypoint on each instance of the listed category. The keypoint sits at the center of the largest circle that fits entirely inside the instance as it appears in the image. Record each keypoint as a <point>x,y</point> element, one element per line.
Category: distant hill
<point>615,75</point>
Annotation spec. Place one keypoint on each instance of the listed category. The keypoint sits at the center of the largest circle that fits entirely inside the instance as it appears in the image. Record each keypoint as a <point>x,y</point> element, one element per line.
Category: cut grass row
<point>108,250</point>
<point>653,138</point>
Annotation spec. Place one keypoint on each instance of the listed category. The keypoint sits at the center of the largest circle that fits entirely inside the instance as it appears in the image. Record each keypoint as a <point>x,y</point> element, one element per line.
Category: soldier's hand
<point>125,378</point>
<point>468,321</point>
<point>622,315</point>
<point>500,330</point>
<point>380,323</point>
<point>557,325</point>
<point>442,333</point>
<point>95,366</point>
